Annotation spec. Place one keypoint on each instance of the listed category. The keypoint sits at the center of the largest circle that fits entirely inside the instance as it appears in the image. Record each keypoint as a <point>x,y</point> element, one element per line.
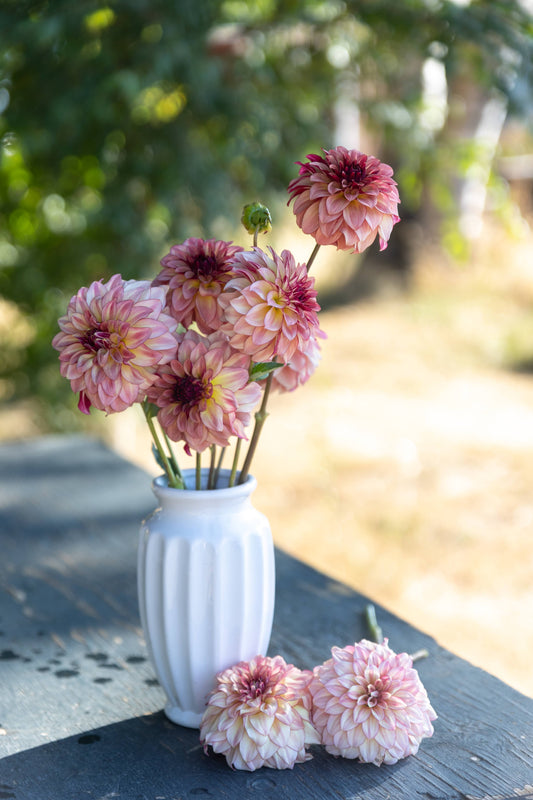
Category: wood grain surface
<point>80,708</point>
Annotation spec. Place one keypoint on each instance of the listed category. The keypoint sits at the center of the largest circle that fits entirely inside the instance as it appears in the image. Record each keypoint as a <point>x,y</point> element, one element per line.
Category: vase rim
<point>160,484</point>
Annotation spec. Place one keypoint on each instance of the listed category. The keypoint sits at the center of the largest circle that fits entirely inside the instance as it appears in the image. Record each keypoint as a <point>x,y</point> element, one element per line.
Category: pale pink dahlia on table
<point>113,337</point>
<point>204,393</point>
<point>259,715</point>
<point>369,703</point>
<point>270,305</point>
<point>345,198</point>
<point>195,273</point>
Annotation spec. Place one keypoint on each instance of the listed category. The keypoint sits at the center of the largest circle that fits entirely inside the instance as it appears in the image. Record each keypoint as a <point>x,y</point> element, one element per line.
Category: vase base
<point>189,719</point>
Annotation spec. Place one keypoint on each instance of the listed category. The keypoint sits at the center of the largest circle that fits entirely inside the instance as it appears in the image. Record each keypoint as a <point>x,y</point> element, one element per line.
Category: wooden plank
<point>80,710</point>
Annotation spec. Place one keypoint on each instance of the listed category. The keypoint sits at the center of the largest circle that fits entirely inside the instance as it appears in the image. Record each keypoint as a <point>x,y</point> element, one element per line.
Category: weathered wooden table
<point>80,709</point>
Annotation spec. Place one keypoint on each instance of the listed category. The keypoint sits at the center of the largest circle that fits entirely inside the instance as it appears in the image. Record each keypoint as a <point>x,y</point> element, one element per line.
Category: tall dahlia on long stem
<point>345,198</point>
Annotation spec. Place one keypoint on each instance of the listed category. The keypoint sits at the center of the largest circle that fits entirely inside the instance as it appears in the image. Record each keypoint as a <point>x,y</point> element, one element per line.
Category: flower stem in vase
<point>260,418</point>
<point>174,480</point>
<point>172,460</point>
<point>236,455</point>
<point>219,466</point>
<point>212,467</point>
<point>198,471</point>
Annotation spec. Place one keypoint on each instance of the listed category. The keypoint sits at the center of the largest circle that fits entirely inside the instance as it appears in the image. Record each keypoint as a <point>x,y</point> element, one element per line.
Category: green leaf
<point>259,372</point>
<point>158,459</point>
<point>150,409</point>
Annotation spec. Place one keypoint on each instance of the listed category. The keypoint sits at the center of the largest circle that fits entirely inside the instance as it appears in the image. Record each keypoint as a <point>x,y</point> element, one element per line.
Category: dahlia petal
<point>214,360</point>
<point>354,214</point>
<point>370,727</point>
<point>247,748</point>
<point>310,220</point>
<point>335,204</point>
<point>275,317</point>
<point>84,404</point>
<point>262,336</point>
<point>256,315</point>
<point>317,190</point>
<point>370,752</point>
<point>213,417</point>
<point>261,723</point>
<point>206,312</point>
<point>233,378</point>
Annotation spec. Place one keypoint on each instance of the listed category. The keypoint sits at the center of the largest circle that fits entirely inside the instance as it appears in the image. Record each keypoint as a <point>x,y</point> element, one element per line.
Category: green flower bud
<point>256,218</point>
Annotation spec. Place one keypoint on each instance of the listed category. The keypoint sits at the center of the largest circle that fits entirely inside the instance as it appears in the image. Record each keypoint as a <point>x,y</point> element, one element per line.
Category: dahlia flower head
<point>345,198</point>
<point>369,703</point>
<point>269,306</point>
<point>195,273</point>
<point>112,339</point>
<point>203,393</point>
<point>258,715</point>
<point>299,369</point>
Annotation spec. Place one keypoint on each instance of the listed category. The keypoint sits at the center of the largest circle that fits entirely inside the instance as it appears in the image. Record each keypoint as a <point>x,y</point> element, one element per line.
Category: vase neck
<point>222,496</point>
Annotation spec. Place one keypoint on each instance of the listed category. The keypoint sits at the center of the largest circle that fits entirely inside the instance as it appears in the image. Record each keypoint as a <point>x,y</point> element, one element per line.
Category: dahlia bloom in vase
<point>204,393</point>
<point>201,346</point>
<point>369,703</point>
<point>113,337</point>
<point>258,715</point>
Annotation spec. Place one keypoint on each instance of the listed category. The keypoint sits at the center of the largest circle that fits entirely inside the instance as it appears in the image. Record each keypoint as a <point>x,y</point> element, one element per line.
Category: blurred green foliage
<point>126,126</point>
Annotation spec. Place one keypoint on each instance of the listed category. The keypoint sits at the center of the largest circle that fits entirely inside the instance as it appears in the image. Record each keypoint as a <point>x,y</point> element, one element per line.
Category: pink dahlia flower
<point>270,305</point>
<point>195,273</point>
<point>299,369</point>
<point>204,393</point>
<point>113,337</point>
<point>259,715</point>
<point>369,703</point>
<point>345,198</point>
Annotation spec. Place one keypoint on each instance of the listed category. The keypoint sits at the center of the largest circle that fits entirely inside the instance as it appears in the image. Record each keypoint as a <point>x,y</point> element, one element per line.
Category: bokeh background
<point>405,466</point>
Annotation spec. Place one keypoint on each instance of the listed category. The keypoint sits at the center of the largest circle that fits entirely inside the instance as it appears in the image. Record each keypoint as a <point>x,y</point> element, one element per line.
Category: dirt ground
<point>405,466</point>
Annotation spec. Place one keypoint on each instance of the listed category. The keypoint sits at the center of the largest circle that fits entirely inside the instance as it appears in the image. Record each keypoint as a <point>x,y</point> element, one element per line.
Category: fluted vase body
<point>206,588</point>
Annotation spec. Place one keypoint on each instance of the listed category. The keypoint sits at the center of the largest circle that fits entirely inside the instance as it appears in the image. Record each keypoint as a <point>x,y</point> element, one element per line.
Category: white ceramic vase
<point>206,588</point>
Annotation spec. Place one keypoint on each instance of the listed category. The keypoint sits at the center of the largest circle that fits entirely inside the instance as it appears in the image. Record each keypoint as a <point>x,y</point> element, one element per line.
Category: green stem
<point>312,256</point>
<point>174,481</point>
<point>212,463</point>
<point>235,462</point>
<point>418,654</point>
<point>376,633</point>
<point>198,471</point>
<point>256,234</point>
<point>260,418</point>
<point>172,459</point>
<point>219,466</point>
